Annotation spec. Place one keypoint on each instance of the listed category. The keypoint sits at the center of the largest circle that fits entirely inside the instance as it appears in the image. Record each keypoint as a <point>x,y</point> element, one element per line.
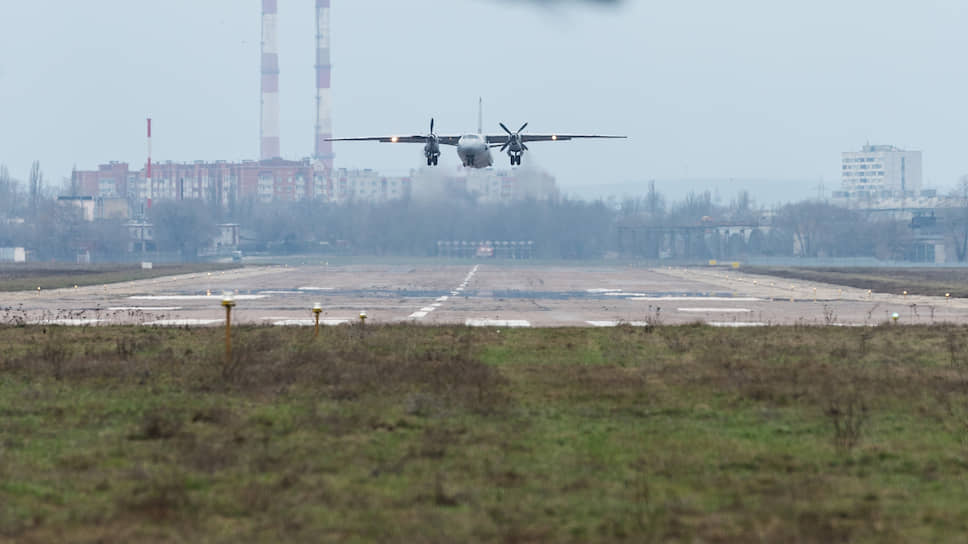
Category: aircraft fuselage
<point>474,151</point>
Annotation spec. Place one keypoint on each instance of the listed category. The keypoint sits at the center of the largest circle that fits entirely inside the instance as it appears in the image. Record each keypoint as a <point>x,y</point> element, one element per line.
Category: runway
<point>485,294</point>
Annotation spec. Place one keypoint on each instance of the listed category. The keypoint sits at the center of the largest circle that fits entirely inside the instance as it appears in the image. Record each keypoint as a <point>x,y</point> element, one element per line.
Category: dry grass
<point>30,276</point>
<point>410,433</point>
<point>916,281</point>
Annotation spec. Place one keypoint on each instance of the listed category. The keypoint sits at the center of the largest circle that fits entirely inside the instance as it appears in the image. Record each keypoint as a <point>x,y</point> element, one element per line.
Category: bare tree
<point>184,226</point>
<point>36,182</point>
<point>956,219</point>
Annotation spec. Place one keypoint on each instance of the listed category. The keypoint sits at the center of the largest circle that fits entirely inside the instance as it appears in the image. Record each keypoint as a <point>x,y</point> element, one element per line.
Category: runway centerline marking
<point>426,310</point>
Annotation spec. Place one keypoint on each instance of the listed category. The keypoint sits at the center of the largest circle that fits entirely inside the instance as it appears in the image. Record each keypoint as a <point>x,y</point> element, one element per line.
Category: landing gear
<point>432,160</point>
<point>516,160</point>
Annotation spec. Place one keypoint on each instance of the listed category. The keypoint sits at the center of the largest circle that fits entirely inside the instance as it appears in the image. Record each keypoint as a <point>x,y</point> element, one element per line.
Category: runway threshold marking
<point>184,322</point>
<point>716,310</point>
<point>144,308</point>
<point>194,297</point>
<point>736,324</point>
<point>507,323</point>
<point>309,322</point>
<point>696,299</point>
<point>617,323</point>
<point>68,322</point>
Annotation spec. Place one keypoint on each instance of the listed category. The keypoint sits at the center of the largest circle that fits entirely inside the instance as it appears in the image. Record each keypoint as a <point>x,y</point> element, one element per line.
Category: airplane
<point>474,150</point>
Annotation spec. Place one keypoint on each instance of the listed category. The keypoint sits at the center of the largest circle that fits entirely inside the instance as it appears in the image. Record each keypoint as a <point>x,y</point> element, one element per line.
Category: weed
<point>829,315</point>
<point>159,424</point>
<point>848,415</point>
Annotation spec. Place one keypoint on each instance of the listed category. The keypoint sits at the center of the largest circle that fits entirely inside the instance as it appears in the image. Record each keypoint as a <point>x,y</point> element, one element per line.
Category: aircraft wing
<point>444,140</point>
<point>498,140</point>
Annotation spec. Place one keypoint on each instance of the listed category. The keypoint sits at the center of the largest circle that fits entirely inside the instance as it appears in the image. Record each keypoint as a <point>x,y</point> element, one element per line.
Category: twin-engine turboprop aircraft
<point>474,150</point>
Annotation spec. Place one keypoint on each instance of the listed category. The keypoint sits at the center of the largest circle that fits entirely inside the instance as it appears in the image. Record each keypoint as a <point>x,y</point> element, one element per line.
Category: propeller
<point>432,148</point>
<point>514,142</point>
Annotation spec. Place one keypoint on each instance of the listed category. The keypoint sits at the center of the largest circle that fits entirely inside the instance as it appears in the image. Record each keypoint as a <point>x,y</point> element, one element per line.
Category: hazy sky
<point>703,88</point>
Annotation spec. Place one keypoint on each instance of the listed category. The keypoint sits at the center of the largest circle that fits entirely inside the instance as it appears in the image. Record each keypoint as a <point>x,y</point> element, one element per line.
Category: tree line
<point>648,226</point>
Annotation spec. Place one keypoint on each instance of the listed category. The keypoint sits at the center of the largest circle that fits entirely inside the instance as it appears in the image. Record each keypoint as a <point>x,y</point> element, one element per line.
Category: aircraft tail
<point>480,116</point>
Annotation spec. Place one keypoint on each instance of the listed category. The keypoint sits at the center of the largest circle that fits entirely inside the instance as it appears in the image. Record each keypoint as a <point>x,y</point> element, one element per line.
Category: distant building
<point>222,182</point>
<point>879,172</point>
<point>13,255</point>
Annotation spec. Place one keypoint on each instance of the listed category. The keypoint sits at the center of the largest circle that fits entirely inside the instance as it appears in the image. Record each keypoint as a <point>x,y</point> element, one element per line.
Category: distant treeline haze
<point>649,227</point>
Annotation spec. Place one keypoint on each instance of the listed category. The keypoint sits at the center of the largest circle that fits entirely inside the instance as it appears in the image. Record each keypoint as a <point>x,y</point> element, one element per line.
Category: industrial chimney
<point>324,115</point>
<point>269,126</point>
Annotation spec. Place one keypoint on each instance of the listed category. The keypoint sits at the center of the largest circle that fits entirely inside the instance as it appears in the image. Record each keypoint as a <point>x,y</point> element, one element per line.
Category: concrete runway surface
<point>486,294</point>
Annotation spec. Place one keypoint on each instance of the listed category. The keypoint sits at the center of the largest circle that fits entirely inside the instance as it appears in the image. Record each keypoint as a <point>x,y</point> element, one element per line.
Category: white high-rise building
<point>881,171</point>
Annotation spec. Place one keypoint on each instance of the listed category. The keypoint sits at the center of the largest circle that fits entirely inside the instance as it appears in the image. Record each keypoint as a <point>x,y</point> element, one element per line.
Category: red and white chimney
<point>269,126</point>
<point>148,172</point>
<point>324,104</point>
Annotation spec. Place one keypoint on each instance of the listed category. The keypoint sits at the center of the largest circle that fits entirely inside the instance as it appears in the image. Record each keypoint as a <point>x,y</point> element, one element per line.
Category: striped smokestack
<point>324,113</point>
<point>269,127</point>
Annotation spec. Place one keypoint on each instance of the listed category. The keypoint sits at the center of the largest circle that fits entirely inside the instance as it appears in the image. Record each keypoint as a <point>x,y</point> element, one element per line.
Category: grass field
<point>916,281</point>
<point>23,277</point>
<point>449,434</point>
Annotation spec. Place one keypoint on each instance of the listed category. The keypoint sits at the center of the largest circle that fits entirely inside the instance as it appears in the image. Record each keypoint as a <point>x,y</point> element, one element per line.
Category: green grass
<point>28,277</point>
<point>415,434</point>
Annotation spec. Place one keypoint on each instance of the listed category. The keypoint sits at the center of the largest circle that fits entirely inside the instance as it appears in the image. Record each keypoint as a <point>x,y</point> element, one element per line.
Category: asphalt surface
<point>485,294</point>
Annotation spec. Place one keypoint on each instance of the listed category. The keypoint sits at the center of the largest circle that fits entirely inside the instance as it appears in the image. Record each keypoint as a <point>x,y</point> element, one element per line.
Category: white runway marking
<point>299,322</point>
<point>436,305</point>
<point>507,323</point>
<point>615,294</point>
<point>717,310</point>
<point>294,323</point>
<point>68,322</point>
<point>278,293</point>
<point>428,309</point>
<point>617,323</point>
<point>698,299</point>
<point>418,315</point>
<point>185,322</point>
<point>315,288</point>
<point>195,297</point>
<point>599,290</point>
<point>736,324</point>
<point>442,299</point>
<point>144,308</point>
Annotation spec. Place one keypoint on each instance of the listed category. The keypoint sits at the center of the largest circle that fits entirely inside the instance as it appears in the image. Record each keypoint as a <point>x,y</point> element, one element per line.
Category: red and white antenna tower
<point>269,128</point>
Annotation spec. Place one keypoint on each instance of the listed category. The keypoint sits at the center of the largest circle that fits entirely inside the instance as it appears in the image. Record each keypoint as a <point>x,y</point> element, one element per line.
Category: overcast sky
<point>761,89</point>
